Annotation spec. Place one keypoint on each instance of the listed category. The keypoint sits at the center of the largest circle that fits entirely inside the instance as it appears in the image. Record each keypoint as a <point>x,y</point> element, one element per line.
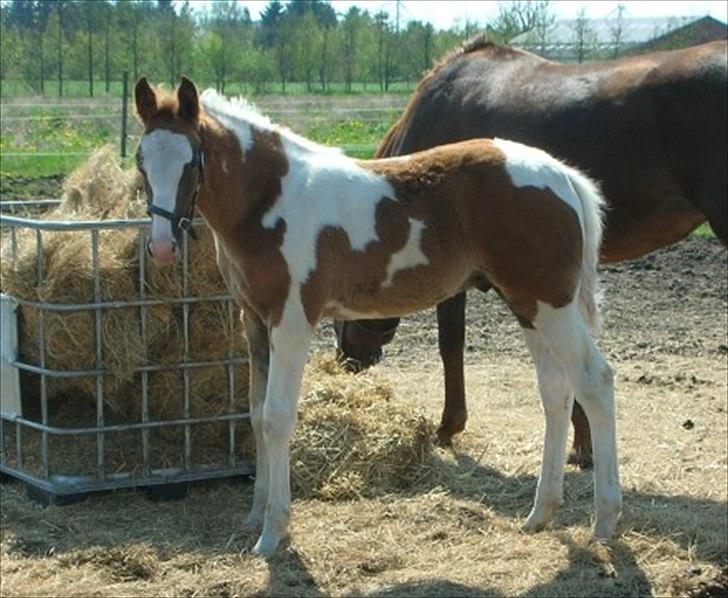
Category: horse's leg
<point>256,333</point>
<point>289,349</point>
<point>557,398</point>
<point>581,451</point>
<point>716,212</point>
<point>451,337</point>
<point>569,340</point>
<point>711,193</point>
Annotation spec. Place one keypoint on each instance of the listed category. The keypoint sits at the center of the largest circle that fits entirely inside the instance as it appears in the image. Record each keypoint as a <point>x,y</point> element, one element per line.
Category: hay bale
<point>102,189</point>
<point>353,440</point>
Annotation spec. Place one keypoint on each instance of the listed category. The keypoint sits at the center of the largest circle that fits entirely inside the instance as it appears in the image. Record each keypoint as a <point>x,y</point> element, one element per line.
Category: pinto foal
<point>303,232</point>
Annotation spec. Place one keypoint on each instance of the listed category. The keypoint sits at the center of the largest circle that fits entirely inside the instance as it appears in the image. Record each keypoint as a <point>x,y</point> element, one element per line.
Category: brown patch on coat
<point>239,188</point>
<point>526,241</point>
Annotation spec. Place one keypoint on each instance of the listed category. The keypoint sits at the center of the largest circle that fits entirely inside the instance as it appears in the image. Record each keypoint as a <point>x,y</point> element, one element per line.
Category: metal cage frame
<point>48,487</point>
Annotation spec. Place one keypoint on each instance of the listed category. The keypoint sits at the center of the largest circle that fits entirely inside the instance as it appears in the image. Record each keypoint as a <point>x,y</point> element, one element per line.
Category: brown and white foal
<point>304,232</point>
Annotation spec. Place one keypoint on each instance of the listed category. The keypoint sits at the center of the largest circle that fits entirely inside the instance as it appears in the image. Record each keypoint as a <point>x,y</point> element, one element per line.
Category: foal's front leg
<point>288,353</point>
<point>256,333</point>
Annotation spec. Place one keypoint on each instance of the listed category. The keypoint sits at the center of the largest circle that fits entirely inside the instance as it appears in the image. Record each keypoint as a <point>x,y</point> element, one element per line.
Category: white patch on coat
<point>163,157</point>
<point>320,191</point>
<point>531,167</point>
<point>322,188</point>
<point>410,255</point>
<point>341,312</point>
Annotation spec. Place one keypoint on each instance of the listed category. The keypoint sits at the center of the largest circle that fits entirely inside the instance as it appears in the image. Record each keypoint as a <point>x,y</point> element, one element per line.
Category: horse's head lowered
<point>170,159</point>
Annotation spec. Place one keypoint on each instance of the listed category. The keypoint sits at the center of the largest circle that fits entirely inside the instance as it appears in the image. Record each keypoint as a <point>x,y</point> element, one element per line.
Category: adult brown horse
<point>652,129</point>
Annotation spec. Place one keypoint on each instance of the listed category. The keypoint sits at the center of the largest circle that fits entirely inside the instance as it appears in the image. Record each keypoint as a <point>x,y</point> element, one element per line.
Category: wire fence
<point>298,113</point>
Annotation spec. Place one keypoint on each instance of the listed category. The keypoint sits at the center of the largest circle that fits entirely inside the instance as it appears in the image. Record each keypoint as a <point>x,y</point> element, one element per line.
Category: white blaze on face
<point>163,157</point>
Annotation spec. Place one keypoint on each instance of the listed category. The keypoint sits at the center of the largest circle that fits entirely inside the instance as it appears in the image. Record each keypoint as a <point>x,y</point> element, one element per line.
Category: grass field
<point>41,140</point>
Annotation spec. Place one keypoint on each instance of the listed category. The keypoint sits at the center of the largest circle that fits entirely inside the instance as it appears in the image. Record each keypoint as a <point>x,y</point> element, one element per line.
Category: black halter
<point>183,222</point>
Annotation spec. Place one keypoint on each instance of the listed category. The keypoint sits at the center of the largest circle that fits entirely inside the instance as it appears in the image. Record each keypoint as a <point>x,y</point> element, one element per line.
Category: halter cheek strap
<point>184,222</point>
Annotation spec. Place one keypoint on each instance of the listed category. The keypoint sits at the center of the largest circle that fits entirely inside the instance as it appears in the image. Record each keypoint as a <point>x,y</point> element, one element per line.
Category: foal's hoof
<point>252,523</point>
<point>604,529</point>
<point>581,458</point>
<point>265,547</point>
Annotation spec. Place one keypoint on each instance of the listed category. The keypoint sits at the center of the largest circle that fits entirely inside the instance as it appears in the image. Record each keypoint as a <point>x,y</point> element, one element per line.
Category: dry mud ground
<point>665,334</point>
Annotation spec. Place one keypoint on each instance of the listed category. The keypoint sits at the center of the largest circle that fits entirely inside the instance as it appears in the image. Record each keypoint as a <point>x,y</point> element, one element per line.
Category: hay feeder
<point>113,420</point>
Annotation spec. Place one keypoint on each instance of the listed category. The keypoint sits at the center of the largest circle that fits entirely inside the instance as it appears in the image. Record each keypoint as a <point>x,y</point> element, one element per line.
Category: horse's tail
<point>592,208</point>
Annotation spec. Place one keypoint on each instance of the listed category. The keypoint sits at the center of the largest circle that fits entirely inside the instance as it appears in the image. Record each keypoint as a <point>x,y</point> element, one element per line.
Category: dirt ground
<point>665,334</point>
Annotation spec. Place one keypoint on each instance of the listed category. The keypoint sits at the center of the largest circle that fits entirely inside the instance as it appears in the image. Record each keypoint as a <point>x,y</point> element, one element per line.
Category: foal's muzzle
<point>163,252</point>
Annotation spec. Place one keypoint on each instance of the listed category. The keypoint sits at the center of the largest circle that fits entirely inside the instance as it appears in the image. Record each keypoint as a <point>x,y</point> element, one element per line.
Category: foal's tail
<point>592,206</point>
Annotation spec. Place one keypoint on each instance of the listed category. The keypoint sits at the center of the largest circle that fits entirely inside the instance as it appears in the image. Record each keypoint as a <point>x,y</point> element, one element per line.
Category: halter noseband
<point>183,222</point>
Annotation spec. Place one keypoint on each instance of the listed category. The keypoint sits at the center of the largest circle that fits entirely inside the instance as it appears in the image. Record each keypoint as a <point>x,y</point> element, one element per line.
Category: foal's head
<point>169,158</point>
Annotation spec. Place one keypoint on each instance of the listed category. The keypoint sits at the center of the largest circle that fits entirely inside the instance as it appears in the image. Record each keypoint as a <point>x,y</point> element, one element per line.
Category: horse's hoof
<point>444,439</point>
<point>534,524</point>
<point>253,522</point>
<point>604,529</point>
<point>581,458</point>
<point>265,547</point>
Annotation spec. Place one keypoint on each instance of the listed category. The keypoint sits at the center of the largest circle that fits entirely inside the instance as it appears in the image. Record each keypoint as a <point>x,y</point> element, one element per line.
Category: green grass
<point>705,231</point>
<point>67,142</point>
<point>44,147</point>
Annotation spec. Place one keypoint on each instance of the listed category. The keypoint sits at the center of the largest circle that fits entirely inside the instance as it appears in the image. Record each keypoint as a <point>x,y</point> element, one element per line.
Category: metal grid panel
<point>102,479</point>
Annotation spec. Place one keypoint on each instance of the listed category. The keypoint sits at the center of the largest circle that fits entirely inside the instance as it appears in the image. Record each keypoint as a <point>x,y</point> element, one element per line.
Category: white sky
<point>444,14</point>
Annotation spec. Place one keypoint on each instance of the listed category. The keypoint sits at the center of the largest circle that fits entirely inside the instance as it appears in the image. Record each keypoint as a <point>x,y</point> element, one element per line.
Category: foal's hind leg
<point>589,374</point>
<point>557,398</point>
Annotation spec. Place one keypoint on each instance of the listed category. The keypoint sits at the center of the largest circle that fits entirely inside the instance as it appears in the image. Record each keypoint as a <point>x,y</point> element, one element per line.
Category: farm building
<point>575,40</point>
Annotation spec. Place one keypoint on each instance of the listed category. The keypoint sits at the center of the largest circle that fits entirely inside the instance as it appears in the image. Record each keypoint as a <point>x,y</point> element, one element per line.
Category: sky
<point>444,14</point>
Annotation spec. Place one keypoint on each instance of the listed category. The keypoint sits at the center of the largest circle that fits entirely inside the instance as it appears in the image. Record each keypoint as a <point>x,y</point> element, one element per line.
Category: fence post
<point>124,106</point>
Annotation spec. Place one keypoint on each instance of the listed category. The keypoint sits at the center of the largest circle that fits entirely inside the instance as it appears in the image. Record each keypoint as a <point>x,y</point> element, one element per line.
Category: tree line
<point>46,43</point>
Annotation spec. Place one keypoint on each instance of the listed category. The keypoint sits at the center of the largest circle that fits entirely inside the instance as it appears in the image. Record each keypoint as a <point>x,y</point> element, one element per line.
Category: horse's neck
<point>239,182</point>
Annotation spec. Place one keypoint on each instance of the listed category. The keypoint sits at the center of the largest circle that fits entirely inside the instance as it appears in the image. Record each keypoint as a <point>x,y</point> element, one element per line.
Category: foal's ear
<point>146,100</point>
<point>189,104</point>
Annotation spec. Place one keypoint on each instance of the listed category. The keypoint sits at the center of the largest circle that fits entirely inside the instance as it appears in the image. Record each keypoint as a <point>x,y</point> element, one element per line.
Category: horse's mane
<point>480,43</point>
<point>239,110</point>
<point>475,44</point>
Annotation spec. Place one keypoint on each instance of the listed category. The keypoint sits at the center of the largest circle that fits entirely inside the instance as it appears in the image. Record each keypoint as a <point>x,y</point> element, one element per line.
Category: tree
<point>270,20</point>
<point>584,37</point>
<point>616,28</point>
<point>351,26</point>
<point>59,48</point>
<point>384,54</point>
<point>520,16</point>
<point>228,31</point>
<point>89,13</point>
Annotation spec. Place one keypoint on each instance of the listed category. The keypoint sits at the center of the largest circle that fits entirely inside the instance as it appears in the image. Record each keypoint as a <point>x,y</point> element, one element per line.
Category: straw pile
<point>102,189</point>
<point>353,440</point>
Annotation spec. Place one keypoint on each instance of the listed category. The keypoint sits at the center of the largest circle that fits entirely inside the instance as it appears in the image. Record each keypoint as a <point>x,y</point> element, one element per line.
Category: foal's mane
<point>239,111</point>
